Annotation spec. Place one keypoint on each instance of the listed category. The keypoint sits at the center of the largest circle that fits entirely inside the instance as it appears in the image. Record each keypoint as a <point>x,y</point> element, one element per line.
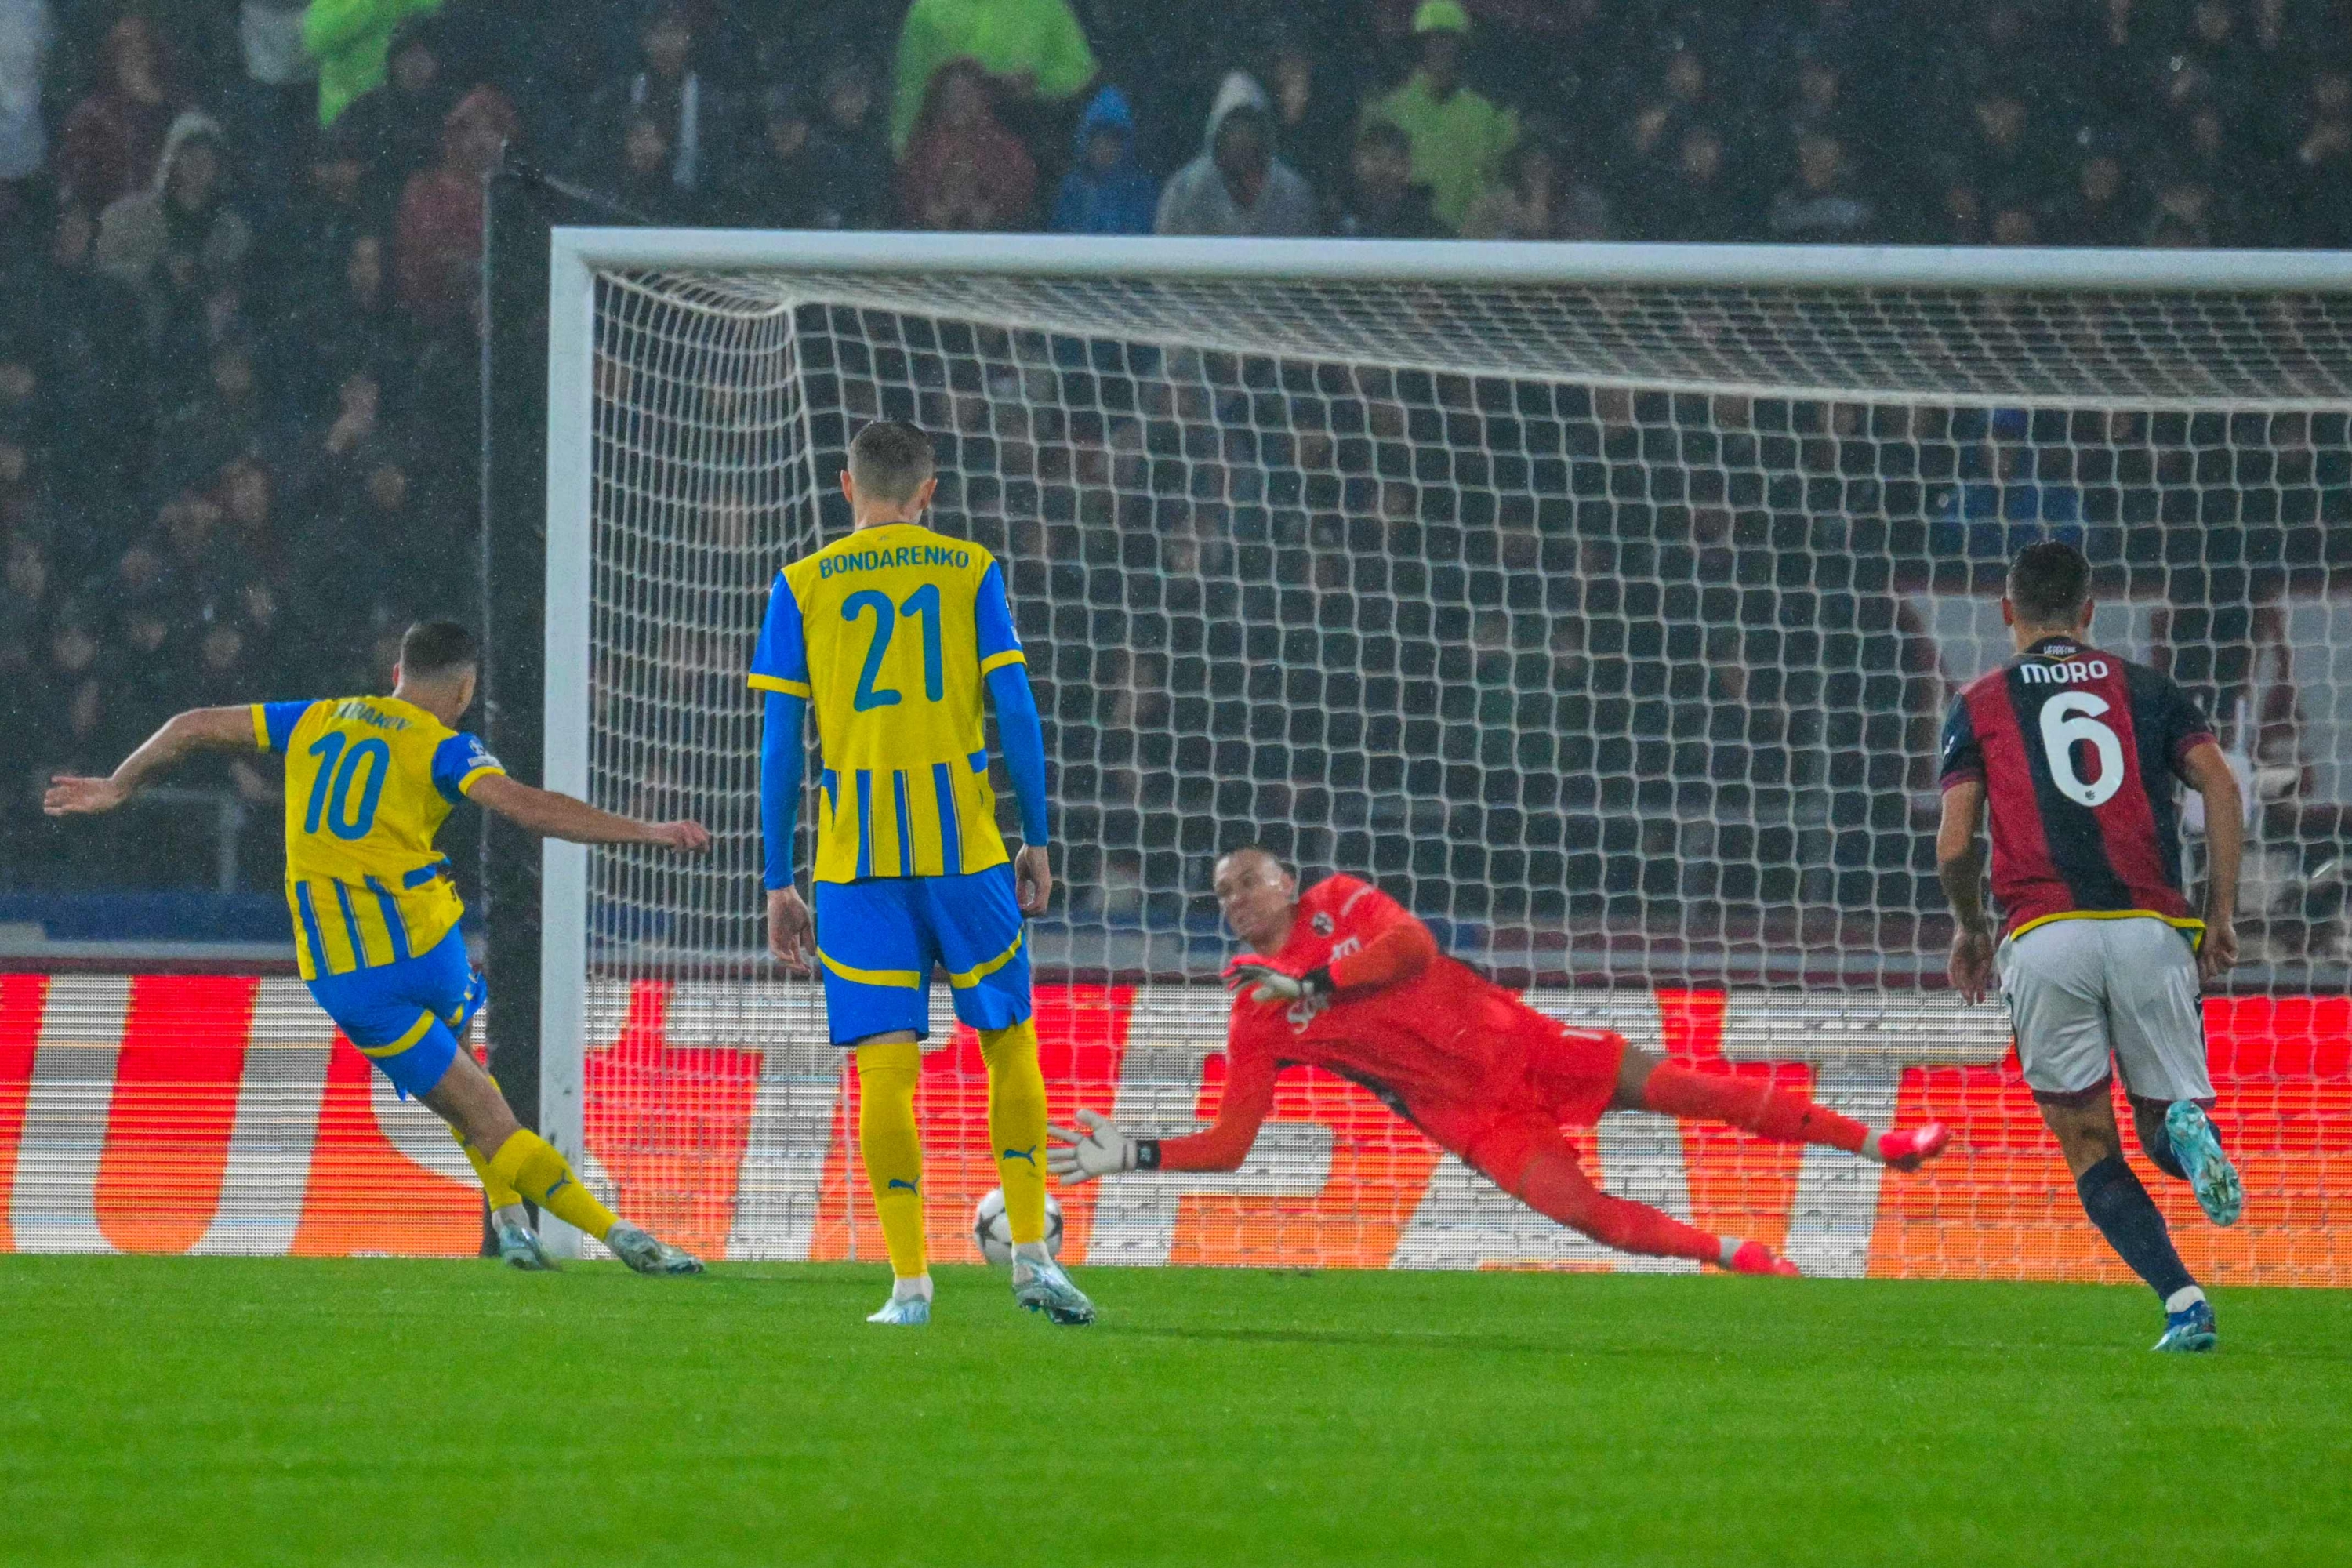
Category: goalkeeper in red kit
<point>1344,979</point>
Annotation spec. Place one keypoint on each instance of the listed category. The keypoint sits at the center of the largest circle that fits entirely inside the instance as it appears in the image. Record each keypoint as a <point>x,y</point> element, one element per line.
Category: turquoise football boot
<point>2199,1149</point>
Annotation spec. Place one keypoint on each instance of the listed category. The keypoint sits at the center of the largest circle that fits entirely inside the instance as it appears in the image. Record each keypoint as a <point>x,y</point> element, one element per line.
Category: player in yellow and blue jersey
<point>369,781</point>
<point>893,635</point>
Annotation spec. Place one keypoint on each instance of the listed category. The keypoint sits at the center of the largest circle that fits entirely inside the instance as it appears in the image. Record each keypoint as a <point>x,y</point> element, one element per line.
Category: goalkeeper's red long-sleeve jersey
<point>1415,1027</point>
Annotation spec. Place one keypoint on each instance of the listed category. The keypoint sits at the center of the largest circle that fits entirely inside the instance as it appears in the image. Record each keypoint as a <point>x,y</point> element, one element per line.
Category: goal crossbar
<point>1590,265</point>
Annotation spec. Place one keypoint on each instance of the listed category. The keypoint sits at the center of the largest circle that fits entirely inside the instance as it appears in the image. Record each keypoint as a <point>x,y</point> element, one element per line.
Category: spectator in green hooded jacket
<point>1030,49</point>
<point>348,39</point>
<point>1459,137</point>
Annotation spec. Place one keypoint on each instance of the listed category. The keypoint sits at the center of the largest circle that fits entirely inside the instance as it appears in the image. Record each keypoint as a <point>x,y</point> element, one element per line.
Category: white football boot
<point>1040,1286</point>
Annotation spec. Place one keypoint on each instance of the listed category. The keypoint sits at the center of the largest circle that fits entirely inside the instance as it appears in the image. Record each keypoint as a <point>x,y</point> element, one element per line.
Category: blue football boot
<point>2199,1150</point>
<point>2189,1329</point>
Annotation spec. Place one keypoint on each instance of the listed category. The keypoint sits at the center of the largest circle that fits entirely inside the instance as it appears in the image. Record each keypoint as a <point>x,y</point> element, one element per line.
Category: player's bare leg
<point>2084,1123</point>
<point>469,1102</point>
<point>1535,1164</point>
<point>1647,1081</point>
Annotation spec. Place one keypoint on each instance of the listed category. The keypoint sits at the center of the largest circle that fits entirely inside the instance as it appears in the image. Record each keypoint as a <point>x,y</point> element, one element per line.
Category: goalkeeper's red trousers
<point>1523,1150</point>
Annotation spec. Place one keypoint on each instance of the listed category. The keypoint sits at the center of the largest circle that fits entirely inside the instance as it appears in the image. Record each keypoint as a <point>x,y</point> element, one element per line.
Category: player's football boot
<point>2199,1149</point>
<point>1044,1288</point>
<point>1914,1146</point>
<point>518,1248</point>
<point>647,1254</point>
<point>2189,1329</point>
<point>903,1312</point>
<point>1755,1257</point>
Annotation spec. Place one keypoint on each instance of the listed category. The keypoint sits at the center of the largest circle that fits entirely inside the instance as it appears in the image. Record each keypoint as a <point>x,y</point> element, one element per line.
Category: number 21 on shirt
<point>922,603</point>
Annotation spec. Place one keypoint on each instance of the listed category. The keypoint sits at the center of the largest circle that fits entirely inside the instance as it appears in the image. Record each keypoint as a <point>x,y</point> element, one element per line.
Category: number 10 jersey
<point>890,633</point>
<point>369,781</point>
<point>2079,753</point>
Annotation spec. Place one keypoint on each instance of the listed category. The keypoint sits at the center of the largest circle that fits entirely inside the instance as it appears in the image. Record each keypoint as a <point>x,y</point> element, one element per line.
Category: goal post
<point>569,663</point>
<point>1601,601</point>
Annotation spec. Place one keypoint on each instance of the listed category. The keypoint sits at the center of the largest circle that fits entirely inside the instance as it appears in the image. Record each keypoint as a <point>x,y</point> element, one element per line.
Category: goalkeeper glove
<point>1102,1149</point>
<point>1269,983</point>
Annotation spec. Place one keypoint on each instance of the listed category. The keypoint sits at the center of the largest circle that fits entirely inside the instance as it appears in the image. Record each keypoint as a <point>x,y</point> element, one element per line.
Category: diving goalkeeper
<point>1355,985</point>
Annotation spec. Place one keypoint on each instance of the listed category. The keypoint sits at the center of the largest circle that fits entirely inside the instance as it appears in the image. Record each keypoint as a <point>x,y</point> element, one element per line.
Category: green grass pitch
<point>218,1411</point>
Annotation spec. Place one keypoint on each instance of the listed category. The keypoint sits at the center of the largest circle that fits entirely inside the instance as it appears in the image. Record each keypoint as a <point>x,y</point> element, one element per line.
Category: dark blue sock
<point>2129,1218</point>
<point>2159,1152</point>
<point>2155,1138</point>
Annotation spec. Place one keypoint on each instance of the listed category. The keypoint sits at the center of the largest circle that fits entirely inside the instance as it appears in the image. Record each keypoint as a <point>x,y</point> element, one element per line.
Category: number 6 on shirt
<point>2071,717</point>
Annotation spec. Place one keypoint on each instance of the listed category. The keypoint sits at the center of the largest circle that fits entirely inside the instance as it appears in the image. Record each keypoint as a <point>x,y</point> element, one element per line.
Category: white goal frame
<point>578,253</point>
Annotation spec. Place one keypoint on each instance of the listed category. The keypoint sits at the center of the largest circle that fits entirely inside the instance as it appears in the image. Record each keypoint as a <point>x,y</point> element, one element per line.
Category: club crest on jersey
<point>1322,923</point>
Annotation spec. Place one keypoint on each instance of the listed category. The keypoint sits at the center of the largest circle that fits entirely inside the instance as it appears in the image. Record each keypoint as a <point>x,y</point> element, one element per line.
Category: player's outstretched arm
<point>197,729</point>
<point>554,815</point>
<point>1099,1148</point>
<point>1959,863</point>
<point>2208,772</point>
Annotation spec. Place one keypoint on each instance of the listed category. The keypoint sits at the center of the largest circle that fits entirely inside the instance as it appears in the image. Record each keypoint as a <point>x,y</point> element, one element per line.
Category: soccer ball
<point>995,1237</point>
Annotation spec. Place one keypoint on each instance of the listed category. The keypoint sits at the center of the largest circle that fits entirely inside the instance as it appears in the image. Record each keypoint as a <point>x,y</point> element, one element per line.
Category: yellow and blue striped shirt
<point>369,781</point>
<point>890,635</point>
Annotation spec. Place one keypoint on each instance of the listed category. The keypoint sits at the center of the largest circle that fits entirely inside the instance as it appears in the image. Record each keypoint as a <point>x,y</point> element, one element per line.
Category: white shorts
<point>2080,991</point>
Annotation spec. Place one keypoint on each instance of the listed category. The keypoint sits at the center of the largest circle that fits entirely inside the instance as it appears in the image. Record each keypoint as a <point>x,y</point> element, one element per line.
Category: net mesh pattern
<point>1610,629</point>
<point>2266,349</point>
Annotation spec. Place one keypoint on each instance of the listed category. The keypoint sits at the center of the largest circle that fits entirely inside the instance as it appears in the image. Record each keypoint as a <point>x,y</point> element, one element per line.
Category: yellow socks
<point>529,1165</point>
<point>502,1195</point>
<point>1016,1125</point>
<point>893,1149</point>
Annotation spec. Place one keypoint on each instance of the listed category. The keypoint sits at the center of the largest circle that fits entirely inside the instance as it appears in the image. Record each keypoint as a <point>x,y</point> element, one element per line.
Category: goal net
<point>1600,603</point>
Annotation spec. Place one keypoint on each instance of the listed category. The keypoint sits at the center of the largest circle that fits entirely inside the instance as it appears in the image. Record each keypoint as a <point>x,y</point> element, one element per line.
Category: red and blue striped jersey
<point>2080,752</point>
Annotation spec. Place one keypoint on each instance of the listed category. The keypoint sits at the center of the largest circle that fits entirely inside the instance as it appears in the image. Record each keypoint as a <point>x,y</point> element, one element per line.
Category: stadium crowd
<point>240,344</point>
